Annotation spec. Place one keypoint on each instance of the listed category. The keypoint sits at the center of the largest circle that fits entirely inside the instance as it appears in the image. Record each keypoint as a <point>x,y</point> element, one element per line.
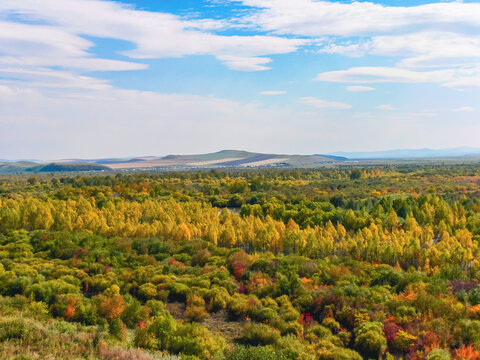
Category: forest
<point>332,263</point>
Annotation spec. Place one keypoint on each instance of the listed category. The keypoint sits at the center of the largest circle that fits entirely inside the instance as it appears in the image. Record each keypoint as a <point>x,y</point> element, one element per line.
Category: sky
<point>95,78</point>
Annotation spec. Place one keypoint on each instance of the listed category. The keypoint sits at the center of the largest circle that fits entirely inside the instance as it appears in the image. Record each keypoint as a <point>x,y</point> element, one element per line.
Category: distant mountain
<point>223,158</point>
<point>26,166</point>
<point>16,167</point>
<point>220,159</point>
<point>54,167</point>
<point>410,153</point>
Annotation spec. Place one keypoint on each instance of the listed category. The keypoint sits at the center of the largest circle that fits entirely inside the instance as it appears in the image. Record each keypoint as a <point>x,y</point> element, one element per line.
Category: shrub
<point>144,339</point>
<point>201,257</point>
<point>291,327</point>
<point>438,354</point>
<point>404,340</point>
<point>195,310</point>
<point>370,340</point>
<point>178,291</point>
<point>259,334</point>
<point>321,332</point>
<point>219,298</point>
<point>468,331</point>
<point>255,353</point>
<point>239,305</point>
<point>329,351</point>
<point>147,291</point>
<point>292,347</point>
<point>330,323</point>
<point>112,303</point>
<point>13,329</point>
<point>264,313</point>
<point>118,329</point>
<point>133,312</point>
<point>195,340</point>
<point>287,312</point>
<point>155,307</point>
<point>163,328</point>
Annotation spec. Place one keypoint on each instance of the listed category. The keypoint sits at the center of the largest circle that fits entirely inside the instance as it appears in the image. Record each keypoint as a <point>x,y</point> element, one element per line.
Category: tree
<point>370,340</point>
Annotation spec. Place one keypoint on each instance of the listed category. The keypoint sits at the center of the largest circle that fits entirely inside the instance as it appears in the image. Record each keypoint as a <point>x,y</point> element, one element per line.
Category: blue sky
<point>94,78</point>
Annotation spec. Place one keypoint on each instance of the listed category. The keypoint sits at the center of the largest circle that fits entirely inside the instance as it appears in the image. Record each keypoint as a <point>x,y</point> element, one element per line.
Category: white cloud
<point>462,77</point>
<point>418,49</point>
<point>245,63</point>
<point>154,35</point>
<point>324,104</point>
<point>320,18</point>
<point>441,35</point>
<point>359,88</point>
<point>27,45</point>
<point>372,74</point>
<point>273,92</point>
<point>385,107</point>
<point>464,109</point>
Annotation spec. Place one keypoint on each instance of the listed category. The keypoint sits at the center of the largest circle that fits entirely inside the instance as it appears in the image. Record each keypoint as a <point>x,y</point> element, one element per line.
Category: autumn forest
<point>333,263</point>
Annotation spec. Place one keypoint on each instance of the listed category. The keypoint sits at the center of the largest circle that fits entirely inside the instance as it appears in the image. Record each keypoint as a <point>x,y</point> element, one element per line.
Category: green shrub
<point>369,339</point>
<point>239,305</point>
<point>438,354</point>
<point>13,329</point>
<point>338,353</point>
<point>144,339</point>
<point>218,298</point>
<point>178,291</point>
<point>155,307</point>
<point>292,347</point>
<point>163,328</point>
<point>118,329</point>
<point>255,353</point>
<point>321,332</point>
<point>147,291</point>
<point>330,323</point>
<point>133,312</point>
<point>259,334</point>
<point>194,339</point>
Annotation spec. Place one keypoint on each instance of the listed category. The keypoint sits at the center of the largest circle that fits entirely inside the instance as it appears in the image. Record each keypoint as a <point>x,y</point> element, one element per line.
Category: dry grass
<point>266,162</point>
<point>55,340</point>
<point>106,353</point>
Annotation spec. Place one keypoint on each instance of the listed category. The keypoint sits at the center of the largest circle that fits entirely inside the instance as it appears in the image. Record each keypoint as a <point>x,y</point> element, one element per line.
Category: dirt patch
<point>212,162</point>
<point>176,309</point>
<point>218,323</point>
<point>267,162</point>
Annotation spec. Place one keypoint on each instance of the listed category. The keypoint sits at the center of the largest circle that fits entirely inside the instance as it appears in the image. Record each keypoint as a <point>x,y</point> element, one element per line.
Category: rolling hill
<point>224,158</point>
<point>227,159</point>
<point>34,167</point>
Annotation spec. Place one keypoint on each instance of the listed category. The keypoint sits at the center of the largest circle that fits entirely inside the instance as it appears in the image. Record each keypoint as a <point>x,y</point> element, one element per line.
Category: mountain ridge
<point>409,153</point>
<point>226,158</point>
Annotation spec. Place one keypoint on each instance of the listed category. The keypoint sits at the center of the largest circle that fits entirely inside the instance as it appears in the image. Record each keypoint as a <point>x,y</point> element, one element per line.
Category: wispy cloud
<point>273,92</point>
<point>359,88</point>
<point>464,109</point>
<point>325,104</point>
<point>463,77</point>
<point>385,107</point>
